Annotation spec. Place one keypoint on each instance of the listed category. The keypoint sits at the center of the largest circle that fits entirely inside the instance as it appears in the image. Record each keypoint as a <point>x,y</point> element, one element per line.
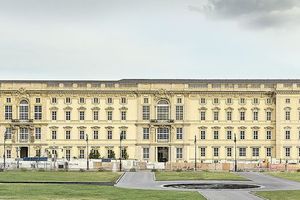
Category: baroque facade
<point>158,120</point>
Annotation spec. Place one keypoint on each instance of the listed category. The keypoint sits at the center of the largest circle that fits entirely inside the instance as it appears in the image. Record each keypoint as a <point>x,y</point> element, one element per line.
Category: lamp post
<point>235,161</point>
<point>195,141</point>
<point>18,158</point>
<point>121,138</point>
<point>4,161</point>
<point>87,152</point>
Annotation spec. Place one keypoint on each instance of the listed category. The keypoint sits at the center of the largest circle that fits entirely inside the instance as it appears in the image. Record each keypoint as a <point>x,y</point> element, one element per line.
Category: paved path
<point>146,180</point>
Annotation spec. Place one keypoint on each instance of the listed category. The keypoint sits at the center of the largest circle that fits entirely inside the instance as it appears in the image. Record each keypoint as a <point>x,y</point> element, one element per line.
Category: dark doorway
<point>23,152</point>
<point>163,154</point>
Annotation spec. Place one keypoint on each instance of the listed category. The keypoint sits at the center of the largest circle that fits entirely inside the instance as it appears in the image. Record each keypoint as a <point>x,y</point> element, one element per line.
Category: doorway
<point>23,152</point>
<point>162,154</point>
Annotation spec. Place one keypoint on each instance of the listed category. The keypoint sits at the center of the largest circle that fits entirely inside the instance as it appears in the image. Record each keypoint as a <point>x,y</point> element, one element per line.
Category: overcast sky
<point>95,39</point>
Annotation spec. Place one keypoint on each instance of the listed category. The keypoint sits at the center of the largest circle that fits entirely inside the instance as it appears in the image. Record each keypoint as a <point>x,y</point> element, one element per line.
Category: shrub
<point>132,170</point>
<point>178,170</point>
<point>154,170</point>
<point>82,170</point>
<point>298,170</point>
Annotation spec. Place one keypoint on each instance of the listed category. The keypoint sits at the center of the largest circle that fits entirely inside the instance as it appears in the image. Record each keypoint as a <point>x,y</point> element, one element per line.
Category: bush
<point>132,170</point>
<point>154,170</point>
<point>178,170</point>
<point>298,170</point>
<point>82,170</point>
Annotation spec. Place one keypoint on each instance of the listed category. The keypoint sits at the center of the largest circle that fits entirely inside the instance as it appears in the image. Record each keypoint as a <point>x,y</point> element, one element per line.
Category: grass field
<point>294,176</point>
<point>59,176</point>
<point>176,176</point>
<point>87,192</point>
<point>280,195</point>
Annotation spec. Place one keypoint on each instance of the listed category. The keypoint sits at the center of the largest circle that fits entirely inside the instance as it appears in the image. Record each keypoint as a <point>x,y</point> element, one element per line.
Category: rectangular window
<point>216,151</point>
<point>203,101</point>
<point>8,100</point>
<point>68,154</point>
<point>242,101</point>
<point>37,112</point>
<point>123,100</point>
<point>109,100</point>
<point>81,135</point>
<point>179,153</point>
<point>37,100</point>
<point>255,100</point>
<point>68,115</point>
<point>255,152</point>
<point>216,135</point>
<point>287,151</point>
<point>179,133</point>
<point>81,115</point>
<point>242,135</point>
<point>38,133</point>
<point>24,134</point>
<point>96,135</point>
<point>287,100</point>
<point>53,100</point>
<point>146,153</point>
<point>110,153</point>
<point>179,100</point>
<point>54,115</point>
<point>109,115</point>
<point>269,152</point>
<point>109,134</point>
<point>229,152</point>
<point>68,100</point>
<point>123,115</point>
<point>162,133</point>
<point>146,132</point>
<point>255,135</point>
<point>123,135</point>
<point>242,115</point>
<point>229,135</point>
<point>269,115</point>
<point>179,112</point>
<point>146,112</point>
<point>216,100</point>
<point>96,115</point>
<point>54,135</point>
<point>287,134</point>
<point>229,115</point>
<point>216,115</point>
<point>38,153</point>
<point>242,152</point>
<point>229,101</point>
<point>146,100</point>
<point>95,100</point>
<point>269,135</point>
<point>202,152</point>
<point>68,135</point>
<point>8,133</point>
<point>202,134</point>
<point>8,153</point>
<point>269,101</point>
<point>287,115</point>
<point>81,100</point>
<point>8,112</point>
<point>202,115</point>
<point>81,153</point>
<point>255,116</point>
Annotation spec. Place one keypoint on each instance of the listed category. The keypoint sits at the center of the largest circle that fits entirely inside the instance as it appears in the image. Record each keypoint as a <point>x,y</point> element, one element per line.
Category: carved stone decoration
<point>162,94</point>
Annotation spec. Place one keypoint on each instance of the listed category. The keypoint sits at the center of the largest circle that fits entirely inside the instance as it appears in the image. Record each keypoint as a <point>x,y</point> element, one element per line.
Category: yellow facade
<point>159,119</point>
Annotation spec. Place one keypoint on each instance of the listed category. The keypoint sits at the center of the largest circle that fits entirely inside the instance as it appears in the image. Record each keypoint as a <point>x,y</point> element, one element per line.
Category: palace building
<point>158,120</point>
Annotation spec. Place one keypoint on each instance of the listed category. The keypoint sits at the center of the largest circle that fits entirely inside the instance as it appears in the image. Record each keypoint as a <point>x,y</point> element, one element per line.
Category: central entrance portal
<point>23,152</point>
<point>162,154</point>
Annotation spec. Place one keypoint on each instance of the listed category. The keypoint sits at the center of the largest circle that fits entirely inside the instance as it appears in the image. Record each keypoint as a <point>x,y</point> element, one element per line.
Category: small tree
<point>125,154</point>
<point>94,155</point>
<point>112,155</point>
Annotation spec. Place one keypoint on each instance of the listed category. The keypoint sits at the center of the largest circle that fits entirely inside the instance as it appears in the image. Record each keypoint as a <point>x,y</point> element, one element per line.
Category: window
<point>216,152</point>
<point>8,112</point>
<point>229,135</point>
<point>53,135</point>
<point>269,135</point>
<point>229,115</point>
<point>216,135</point>
<point>242,101</point>
<point>38,152</point>
<point>163,110</point>
<point>146,112</point>
<point>203,101</point>
<point>53,100</point>
<point>216,101</point>
<point>109,115</point>
<point>68,154</point>
<point>255,115</point>
<point>287,115</point>
<point>179,153</point>
<point>68,135</point>
<point>269,152</point>
<point>96,115</point>
<point>287,100</point>
<point>229,101</point>
<point>8,153</point>
<point>8,100</point>
<point>123,115</point>
<point>179,112</point>
<point>123,135</point>
<point>146,100</point>
<point>24,134</point>
<point>8,133</point>
<point>242,115</point>
<point>216,115</point>
<point>287,151</point>
<point>229,152</point>
<point>179,133</point>
<point>146,153</point>
<point>38,132</point>
<point>109,100</point>
<point>68,100</point>
<point>23,110</point>
<point>81,135</point>
<point>179,100</point>
<point>202,115</point>
<point>202,134</point>
<point>109,134</point>
<point>123,100</point>
<point>202,152</point>
<point>255,101</point>
<point>54,115</point>
<point>110,153</point>
<point>68,115</point>
<point>287,134</point>
<point>255,135</point>
<point>81,115</point>
<point>37,100</point>
<point>96,134</point>
<point>242,152</point>
<point>269,115</point>
<point>95,100</point>
<point>255,151</point>
<point>242,135</point>
<point>81,153</point>
<point>146,132</point>
<point>81,100</point>
<point>37,112</point>
<point>162,133</point>
<point>269,101</point>
<point>123,150</point>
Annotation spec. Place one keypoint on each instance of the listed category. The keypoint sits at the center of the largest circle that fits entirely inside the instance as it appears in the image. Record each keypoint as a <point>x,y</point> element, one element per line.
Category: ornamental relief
<point>162,94</point>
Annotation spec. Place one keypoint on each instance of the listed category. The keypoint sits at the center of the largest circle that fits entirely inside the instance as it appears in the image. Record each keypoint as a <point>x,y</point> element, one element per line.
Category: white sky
<point>95,39</point>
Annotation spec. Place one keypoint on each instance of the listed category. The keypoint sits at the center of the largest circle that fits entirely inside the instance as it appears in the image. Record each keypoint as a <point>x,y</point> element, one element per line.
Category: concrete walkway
<point>146,180</point>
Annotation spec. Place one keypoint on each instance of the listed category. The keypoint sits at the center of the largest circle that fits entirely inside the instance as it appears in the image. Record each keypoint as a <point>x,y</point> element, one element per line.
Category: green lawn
<point>87,192</point>
<point>176,176</point>
<point>294,176</point>
<point>280,195</point>
<point>59,176</point>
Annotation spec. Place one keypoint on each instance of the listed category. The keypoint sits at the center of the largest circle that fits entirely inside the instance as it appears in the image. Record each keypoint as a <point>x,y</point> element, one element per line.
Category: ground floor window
<point>216,151</point>
<point>287,151</point>
<point>242,152</point>
<point>229,152</point>
<point>81,153</point>
<point>269,152</point>
<point>179,153</point>
<point>68,154</point>
<point>146,152</point>
<point>8,153</point>
<point>255,152</point>
<point>202,151</point>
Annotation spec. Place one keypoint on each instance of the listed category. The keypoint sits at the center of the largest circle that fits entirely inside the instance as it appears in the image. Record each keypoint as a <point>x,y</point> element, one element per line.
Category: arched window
<point>23,110</point>
<point>163,110</point>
